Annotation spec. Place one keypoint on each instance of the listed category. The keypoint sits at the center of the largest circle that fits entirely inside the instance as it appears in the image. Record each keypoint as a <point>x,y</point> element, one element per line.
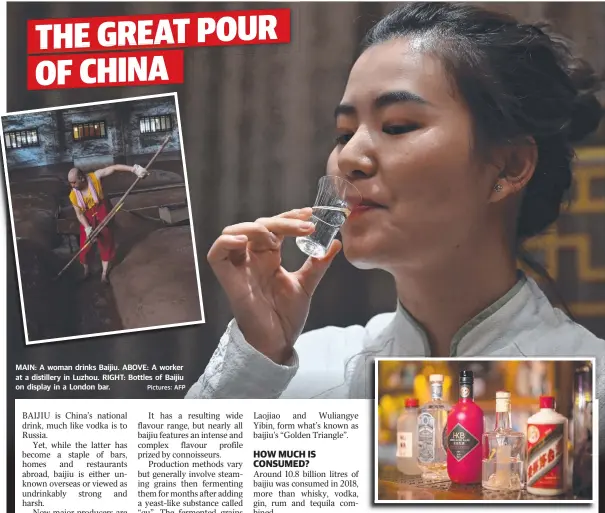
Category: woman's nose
<point>356,159</point>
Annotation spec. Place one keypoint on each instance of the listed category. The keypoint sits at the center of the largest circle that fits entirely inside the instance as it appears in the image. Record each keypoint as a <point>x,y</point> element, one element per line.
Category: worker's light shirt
<point>87,195</point>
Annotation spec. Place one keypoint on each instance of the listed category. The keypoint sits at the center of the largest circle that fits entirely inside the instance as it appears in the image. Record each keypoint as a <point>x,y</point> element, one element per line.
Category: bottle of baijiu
<point>582,432</point>
<point>547,435</point>
<point>503,451</point>
<point>464,434</point>
<point>407,439</point>
<point>431,430</point>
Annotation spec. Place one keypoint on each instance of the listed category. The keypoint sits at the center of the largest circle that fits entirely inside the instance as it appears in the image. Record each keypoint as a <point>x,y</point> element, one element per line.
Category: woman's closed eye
<point>343,138</point>
<point>395,129</point>
<point>399,129</point>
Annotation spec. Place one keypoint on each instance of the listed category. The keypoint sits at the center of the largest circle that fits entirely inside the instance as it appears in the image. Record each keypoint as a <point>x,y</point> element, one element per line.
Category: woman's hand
<point>269,303</point>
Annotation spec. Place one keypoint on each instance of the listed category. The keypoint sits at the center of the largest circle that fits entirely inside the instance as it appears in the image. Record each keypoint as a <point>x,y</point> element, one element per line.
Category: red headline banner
<point>104,69</point>
<point>268,26</point>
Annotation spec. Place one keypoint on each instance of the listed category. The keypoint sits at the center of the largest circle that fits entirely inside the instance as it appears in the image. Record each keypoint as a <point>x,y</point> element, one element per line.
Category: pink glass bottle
<point>465,425</point>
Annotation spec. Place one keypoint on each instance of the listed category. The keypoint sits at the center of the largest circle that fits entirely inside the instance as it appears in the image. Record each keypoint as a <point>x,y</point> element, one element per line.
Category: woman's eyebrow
<point>344,109</point>
<point>386,99</point>
<point>382,101</point>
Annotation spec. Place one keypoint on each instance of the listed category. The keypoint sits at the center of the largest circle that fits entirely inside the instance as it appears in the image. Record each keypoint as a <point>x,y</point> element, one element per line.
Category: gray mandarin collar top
<point>336,362</point>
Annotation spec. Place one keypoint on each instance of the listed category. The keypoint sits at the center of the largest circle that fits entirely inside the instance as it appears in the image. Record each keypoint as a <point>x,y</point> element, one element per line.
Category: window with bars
<point>152,124</point>
<point>89,130</point>
<point>21,138</point>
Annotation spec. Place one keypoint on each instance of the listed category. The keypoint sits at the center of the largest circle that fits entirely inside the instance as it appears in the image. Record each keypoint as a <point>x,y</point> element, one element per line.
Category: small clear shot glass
<point>335,198</point>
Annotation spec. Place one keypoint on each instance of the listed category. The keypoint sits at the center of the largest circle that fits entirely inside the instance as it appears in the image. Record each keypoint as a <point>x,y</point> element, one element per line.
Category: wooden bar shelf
<point>395,486</point>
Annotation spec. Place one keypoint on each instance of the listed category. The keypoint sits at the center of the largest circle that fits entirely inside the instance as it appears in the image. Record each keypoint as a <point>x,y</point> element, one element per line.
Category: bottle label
<point>465,391</point>
<point>460,442</point>
<point>404,445</point>
<point>436,391</point>
<point>502,405</point>
<point>426,438</point>
<point>545,446</point>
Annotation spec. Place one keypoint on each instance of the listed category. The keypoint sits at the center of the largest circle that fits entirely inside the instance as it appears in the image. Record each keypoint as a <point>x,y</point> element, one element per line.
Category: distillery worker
<point>92,207</point>
<point>456,125</point>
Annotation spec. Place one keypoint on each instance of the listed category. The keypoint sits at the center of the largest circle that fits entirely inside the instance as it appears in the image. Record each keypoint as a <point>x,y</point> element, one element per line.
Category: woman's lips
<point>363,208</point>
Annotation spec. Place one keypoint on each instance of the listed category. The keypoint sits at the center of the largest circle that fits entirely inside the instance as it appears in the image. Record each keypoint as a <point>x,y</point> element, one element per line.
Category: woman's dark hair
<point>519,80</point>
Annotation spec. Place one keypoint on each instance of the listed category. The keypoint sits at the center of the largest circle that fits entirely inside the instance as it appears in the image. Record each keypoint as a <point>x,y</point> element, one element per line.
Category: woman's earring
<point>498,187</point>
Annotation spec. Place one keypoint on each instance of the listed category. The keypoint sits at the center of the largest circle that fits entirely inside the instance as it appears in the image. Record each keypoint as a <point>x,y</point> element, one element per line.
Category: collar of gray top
<point>485,327</point>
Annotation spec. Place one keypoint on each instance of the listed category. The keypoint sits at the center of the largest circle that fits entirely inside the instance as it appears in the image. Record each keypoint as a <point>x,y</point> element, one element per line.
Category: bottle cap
<point>502,401</point>
<point>466,377</point>
<point>411,402</point>
<point>436,378</point>
<point>547,401</point>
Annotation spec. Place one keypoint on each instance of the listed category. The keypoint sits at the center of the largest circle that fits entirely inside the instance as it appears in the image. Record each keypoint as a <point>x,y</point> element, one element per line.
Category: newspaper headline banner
<point>79,52</point>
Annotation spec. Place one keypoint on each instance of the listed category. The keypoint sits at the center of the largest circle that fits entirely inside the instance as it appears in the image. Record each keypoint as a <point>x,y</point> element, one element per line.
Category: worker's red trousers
<point>104,241</point>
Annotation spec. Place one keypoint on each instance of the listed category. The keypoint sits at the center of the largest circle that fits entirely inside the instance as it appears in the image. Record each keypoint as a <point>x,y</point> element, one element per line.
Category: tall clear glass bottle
<point>503,451</point>
<point>582,432</point>
<point>432,420</point>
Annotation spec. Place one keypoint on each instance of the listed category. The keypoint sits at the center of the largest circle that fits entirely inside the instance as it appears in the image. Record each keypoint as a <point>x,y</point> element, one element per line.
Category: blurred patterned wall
<point>258,127</point>
<point>123,139</point>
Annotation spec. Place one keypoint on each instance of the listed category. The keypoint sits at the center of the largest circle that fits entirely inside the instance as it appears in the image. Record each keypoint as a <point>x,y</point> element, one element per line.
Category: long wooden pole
<point>95,233</point>
<point>138,191</point>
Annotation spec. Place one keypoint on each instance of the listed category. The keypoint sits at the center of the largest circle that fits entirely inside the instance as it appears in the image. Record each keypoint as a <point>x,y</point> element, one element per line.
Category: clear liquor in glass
<point>503,451</point>
<point>432,420</point>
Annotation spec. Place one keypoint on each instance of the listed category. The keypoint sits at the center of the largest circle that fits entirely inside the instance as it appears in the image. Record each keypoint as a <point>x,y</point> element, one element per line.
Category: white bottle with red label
<point>547,433</point>
<point>407,439</point>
